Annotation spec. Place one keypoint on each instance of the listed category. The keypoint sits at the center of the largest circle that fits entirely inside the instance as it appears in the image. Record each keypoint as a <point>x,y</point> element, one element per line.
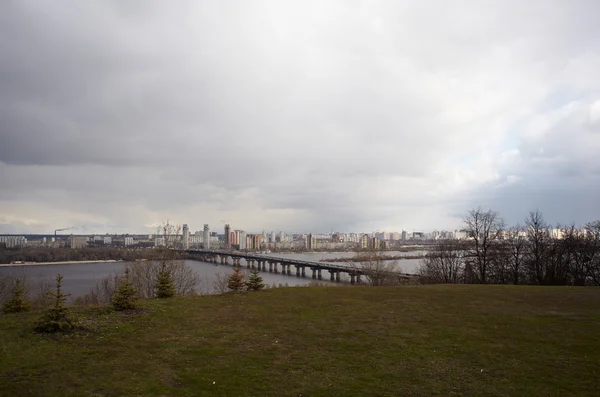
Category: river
<point>79,278</point>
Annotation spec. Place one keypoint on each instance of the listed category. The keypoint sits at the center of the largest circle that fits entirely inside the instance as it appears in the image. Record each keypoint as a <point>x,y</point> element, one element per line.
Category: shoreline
<point>57,263</point>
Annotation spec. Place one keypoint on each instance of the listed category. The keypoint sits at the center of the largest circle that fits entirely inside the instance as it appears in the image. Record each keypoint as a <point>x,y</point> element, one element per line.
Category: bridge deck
<point>290,261</point>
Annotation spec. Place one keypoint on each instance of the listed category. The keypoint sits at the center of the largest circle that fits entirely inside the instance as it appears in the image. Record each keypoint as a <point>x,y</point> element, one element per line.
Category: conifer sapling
<point>126,295</point>
<point>17,303</point>
<point>165,287</point>
<point>236,280</point>
<point>56,318</point>
<point>255,282</point>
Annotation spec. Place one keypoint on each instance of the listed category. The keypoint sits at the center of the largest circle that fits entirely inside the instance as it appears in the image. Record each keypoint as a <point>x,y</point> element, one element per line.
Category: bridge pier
<point>256,261</point>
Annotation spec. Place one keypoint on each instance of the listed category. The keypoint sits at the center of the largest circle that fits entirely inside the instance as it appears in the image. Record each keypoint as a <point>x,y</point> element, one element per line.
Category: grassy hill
<point>318,341</point>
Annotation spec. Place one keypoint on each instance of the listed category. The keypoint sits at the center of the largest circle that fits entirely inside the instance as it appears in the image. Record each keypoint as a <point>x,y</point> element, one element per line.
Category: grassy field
<point>319,341</point>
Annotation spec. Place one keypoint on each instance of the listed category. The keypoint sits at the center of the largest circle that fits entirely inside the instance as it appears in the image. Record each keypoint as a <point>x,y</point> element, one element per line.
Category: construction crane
<point>62,230</point>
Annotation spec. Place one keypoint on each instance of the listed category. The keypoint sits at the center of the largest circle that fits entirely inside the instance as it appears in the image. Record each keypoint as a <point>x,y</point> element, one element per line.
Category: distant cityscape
<point>239,239</point>
<point>231,239</point>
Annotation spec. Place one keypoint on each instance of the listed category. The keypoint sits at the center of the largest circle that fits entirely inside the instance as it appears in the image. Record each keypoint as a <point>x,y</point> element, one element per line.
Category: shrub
<point>56,318</point>
<point>18,302</point>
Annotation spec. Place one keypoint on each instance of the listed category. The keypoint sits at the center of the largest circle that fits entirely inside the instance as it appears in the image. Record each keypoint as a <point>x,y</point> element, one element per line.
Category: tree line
<point>43,254</point>
<point>532,254</point>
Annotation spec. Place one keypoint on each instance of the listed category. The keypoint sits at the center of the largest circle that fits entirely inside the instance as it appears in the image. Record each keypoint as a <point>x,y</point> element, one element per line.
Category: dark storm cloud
<point>292,116</point>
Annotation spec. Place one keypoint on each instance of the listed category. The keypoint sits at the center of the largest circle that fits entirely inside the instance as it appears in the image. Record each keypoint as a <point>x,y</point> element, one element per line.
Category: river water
<point>80,277</point>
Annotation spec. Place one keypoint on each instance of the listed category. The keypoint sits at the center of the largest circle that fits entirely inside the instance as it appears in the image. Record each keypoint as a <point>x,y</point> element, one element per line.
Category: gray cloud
<point>352,116</point>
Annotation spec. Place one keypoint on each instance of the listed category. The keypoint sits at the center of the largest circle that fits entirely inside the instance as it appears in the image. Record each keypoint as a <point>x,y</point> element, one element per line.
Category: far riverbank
<point>55,263</point>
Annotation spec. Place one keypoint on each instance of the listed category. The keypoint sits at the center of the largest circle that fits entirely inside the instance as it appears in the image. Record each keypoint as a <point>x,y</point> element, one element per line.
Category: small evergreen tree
<point>236,280</point>
<point>165,288</point>
<point>56,318</point>
<point>255,282</point>
<point>126,295</point>
<point>17,303</point>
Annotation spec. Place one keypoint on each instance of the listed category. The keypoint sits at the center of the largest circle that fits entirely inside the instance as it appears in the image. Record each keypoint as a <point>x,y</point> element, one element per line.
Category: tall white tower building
<point>206,237</point>
<point>186,236</point>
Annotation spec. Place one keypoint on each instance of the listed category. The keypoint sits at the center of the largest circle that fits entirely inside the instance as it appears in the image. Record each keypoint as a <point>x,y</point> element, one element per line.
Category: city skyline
<point>303,117</point>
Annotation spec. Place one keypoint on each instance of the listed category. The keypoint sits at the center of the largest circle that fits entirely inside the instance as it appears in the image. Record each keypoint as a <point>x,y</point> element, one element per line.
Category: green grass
<point>319,341</point>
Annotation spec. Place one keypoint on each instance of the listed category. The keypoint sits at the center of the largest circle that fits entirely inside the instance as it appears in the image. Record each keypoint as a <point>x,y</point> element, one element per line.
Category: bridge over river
<point>283,265</point>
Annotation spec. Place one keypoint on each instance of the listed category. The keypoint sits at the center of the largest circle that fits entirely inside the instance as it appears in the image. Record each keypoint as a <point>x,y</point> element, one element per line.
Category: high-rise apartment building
<point>257,241</point>
<point>206,237</point>
<point>364,241</point>
<point>242,239</point>
<point>227,236</point>
<point>186,236</point>
<point>311,242</point>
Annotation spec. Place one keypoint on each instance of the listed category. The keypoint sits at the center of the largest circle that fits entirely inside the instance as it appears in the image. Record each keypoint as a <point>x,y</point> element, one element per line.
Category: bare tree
<point>144,274</point>
<point>484,228</point>
<point>516,246</point>
<point>593,259</point>
<point>538,240</point>
<point>39,293</point>
<point>558,261</point>
<point>377,270</point>
<point>444,263</point>
<point>102,292</point>
<point>583,247</point>
<point>6,284</point>
<point>220,283</point>
<point>499,264</point>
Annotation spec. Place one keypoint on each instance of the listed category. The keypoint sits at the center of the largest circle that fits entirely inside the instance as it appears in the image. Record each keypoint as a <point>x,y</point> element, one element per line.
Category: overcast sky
<point>296,116</point>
